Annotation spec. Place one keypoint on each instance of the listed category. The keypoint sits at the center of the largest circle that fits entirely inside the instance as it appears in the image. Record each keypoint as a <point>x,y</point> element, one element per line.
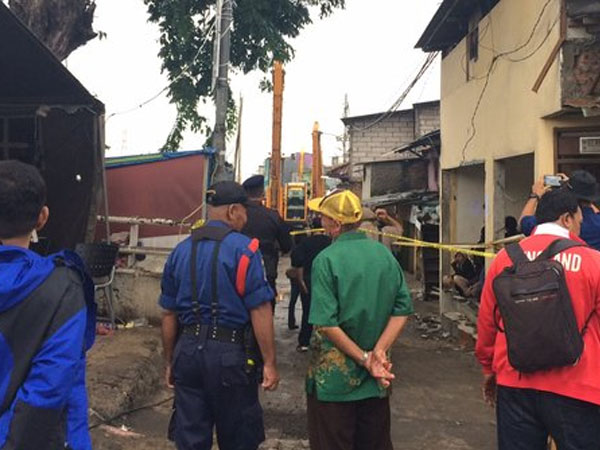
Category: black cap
<point>584,186</point>
<point>254,182</point>
<point>226,193</point>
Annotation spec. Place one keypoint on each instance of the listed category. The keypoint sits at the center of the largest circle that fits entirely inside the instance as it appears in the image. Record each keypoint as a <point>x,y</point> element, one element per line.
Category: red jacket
<point>582,272</point>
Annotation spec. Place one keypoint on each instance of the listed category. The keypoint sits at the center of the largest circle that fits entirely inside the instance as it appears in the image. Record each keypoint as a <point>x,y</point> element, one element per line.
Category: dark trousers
<point>272,280</point>
<point>360,425</point>
<point>527,417</point>
<point>305,327</point>
<point>294,294</point>
<point>213,390</point>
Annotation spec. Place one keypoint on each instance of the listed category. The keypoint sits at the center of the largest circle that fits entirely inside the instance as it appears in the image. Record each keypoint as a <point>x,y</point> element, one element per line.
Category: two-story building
<point>520,98</point>
<point>374,137</point>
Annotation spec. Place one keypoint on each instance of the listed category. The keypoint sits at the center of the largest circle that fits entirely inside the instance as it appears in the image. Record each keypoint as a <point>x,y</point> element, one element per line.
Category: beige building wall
<point>509,119</point>
<point>498,135</point>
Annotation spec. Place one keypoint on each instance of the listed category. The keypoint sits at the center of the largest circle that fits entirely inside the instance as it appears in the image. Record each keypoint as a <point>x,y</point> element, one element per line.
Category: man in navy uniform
<point>216,298</point>
<point>268,227</point>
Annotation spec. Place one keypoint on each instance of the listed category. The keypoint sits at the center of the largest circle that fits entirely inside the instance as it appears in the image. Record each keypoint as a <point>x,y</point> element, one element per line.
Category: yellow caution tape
<point>199,223</point>
<point>313,230</point>
<point>404,241</point>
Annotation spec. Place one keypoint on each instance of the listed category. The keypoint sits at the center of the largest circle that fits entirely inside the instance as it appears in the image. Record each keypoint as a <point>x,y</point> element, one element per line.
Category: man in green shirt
<point>360,303</point>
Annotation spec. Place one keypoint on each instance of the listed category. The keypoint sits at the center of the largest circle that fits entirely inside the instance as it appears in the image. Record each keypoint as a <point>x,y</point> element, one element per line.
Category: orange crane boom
<point>275,187</point>
<point>318,186</point>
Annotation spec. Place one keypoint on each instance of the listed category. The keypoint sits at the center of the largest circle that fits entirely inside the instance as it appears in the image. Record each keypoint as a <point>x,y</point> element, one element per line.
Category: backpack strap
<point>25,327</point>
<point>558,246</point>
<point>516,254</point>
<point>587,322</point>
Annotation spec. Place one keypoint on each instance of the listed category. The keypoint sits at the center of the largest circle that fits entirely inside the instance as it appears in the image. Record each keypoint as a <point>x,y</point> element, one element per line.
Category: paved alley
<point>436,402</point>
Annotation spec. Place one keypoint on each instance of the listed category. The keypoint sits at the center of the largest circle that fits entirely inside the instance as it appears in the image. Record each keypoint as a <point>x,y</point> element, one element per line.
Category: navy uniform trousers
<point>213,389</point>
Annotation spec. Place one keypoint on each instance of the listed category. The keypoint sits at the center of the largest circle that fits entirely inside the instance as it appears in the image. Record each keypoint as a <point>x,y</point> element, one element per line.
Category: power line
<point>184,71</point>
<point>429,60</point>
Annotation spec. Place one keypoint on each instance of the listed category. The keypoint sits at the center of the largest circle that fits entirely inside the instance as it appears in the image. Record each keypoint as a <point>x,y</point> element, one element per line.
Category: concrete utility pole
<point>345,137</point>
<point>318,187</point>
<point>275,182</point>
<point>237,164</point>
<point>222,86</point>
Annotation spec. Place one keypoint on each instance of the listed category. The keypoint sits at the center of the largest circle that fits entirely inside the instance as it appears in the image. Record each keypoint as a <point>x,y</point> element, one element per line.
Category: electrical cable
<point>131,411</point>
<point>429,60</point>
<point>532,34</point>
<point>532,53</point>
<point>166,88</point>
<point>495,59</point>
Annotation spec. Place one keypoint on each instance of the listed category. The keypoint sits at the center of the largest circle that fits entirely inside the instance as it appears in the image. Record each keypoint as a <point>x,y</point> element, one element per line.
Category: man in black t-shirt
<point>465,275</point>
<point>268,227</point>
<point>302,259</point>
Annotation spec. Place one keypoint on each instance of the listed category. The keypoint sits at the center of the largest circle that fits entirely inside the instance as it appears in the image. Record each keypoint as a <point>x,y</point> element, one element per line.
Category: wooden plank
<point>555,51</point>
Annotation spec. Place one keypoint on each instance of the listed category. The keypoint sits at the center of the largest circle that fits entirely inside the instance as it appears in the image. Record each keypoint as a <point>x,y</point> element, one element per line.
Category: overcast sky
<point>366,51</point>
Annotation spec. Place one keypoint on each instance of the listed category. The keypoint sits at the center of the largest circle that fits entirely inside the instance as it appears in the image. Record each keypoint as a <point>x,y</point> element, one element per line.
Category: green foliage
<point>260,35</point>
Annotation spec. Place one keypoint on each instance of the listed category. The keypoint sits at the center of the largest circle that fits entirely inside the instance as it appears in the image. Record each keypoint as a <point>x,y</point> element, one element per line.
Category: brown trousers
<point>359,425</point>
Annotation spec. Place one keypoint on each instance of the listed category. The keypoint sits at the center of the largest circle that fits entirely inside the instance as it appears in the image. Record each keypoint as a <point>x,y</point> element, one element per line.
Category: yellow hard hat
<point>342,206</point>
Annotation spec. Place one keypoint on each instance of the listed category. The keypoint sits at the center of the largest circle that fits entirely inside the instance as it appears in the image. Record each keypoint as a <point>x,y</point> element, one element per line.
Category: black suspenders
<point>207,233</point>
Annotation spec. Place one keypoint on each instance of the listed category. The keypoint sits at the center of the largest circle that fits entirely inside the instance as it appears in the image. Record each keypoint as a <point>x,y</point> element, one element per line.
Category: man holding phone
<point>587,191</point>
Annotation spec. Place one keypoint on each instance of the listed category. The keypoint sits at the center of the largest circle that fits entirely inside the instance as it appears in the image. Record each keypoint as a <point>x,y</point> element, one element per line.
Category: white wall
<point>469,203</point>
<point>519,178</point>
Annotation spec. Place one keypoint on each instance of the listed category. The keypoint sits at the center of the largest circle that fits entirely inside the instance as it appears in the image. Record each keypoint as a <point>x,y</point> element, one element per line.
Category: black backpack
<point>537,312</point>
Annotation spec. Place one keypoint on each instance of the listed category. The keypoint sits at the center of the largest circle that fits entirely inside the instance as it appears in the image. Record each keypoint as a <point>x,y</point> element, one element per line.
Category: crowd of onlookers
<point>468,273</point>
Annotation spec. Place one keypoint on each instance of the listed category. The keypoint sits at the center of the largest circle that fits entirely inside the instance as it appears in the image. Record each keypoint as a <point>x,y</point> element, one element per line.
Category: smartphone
<point>553,180</point>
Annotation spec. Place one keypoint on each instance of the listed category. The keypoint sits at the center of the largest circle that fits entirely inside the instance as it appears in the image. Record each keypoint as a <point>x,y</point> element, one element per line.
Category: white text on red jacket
<point>570,261</point>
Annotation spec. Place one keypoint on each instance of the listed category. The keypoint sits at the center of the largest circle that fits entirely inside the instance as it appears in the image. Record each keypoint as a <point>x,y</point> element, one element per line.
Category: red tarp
<point>168,189</point>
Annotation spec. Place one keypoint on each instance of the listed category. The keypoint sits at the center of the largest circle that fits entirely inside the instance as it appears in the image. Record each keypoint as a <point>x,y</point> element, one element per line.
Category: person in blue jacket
<point>47,315</point>
<point>587,191</point>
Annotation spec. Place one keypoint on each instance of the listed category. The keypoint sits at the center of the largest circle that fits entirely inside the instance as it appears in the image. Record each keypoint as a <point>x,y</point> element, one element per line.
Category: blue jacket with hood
<point>47,323</point>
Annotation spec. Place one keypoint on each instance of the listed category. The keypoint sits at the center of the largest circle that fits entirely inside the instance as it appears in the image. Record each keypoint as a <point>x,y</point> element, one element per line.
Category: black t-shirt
<point>306,252</point>
<point>269,228</point>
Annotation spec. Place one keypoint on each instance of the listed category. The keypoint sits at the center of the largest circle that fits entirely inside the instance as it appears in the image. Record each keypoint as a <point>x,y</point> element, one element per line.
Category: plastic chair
<point>100,260</point>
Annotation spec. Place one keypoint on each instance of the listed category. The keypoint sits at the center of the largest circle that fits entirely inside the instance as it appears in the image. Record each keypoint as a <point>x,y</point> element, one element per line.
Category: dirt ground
<point>436,402</point>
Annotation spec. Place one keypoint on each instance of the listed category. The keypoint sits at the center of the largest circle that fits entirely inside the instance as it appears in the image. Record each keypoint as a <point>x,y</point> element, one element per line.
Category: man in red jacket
<point>561,402</point>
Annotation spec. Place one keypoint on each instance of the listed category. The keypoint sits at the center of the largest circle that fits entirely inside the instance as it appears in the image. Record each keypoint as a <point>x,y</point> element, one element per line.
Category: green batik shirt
<point>357,285</point>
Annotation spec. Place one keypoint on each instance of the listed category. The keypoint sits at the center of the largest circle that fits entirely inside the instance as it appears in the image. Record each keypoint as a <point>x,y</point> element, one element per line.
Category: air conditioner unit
<point>589,145</point>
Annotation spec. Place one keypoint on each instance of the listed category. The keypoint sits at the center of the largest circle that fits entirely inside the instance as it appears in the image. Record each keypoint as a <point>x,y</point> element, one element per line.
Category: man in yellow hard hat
<point>360,303</point>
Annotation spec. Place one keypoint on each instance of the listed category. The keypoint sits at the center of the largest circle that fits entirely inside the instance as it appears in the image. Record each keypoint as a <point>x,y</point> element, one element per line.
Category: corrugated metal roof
<point>450,23</point>
<point>430,140</point>
<point>405,198</point>
<point>134,160</point>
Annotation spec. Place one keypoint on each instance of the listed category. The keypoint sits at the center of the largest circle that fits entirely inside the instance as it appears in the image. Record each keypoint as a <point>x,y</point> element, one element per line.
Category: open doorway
<point>518,179</point>
<point>470,203</point>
